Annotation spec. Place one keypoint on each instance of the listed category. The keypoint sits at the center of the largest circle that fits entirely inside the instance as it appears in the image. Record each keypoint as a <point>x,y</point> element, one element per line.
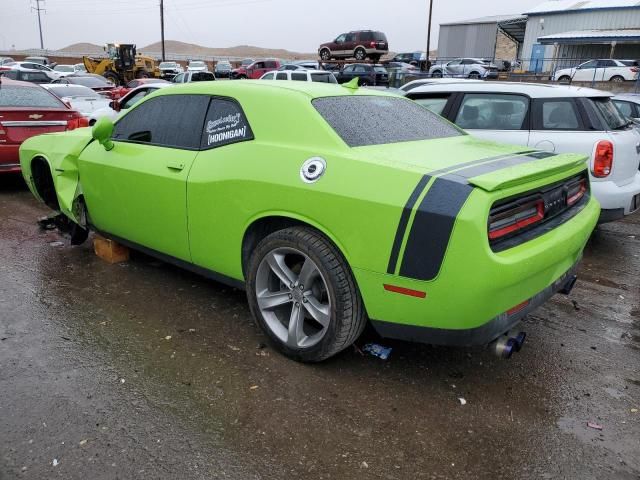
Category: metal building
<point>564,33</point>
<point>487,37</point>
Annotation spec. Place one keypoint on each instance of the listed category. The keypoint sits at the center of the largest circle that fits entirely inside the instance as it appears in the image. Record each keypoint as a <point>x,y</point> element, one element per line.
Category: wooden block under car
<point>110,251</point>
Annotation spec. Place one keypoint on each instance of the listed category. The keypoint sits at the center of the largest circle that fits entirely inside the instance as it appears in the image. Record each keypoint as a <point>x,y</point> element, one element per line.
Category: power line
<point>162,26</point>
<point>38,9</point>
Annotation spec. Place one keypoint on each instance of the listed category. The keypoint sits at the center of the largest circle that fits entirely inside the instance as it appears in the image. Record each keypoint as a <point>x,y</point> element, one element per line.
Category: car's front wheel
<point>303,295</point>
<point>617,78</point>
<point>360,54</point>
<point>436,74</point>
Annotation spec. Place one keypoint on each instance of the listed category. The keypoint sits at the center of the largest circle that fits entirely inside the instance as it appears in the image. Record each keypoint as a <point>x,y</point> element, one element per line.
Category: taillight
<point>372,44</point>
<point>72,124</point>
<point>576,192</point>
<point>83,122</point>
<point>635,69</point>
<point>77,122</point>
<point>512,219</point>
<point>603,159</point>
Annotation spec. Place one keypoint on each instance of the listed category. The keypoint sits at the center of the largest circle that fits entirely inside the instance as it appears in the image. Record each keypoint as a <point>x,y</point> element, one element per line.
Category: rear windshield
<point>90,82</point>
<point>609,114</point>
<point>372,120</point>
<point>196,64</point>
<point>323,77</point>
<point>167,65</point>
<point>379,36</point>
<point>73,91</point>
<point>14,96</point>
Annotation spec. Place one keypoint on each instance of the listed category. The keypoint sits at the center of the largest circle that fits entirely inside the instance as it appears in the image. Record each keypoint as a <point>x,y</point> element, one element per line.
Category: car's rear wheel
<point>436,74</point>
<point>360,54</point>
<point>303,295</point>
<point>325,54</point>
<point>617,78</point>
<point>475,75</point>
<point>564,79</point>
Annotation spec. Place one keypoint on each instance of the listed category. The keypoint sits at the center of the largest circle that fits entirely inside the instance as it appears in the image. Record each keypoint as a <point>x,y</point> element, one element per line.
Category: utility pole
<point>38,8</point>
<point>161,26</point>
<point>429,33</point>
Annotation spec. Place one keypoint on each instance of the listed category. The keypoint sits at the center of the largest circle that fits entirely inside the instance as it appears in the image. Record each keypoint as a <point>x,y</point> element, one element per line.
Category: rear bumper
<point>9,158</point>
<point>481,335</point>
<point>614,197</point>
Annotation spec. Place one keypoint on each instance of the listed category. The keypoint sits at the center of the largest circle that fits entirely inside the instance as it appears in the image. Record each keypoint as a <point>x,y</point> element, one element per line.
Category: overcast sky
<point>298,25</point>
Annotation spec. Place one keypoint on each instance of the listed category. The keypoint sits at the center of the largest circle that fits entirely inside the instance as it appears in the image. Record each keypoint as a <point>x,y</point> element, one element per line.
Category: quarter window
<point>281,76</point>
<point>268,76</point>
<point>435,104</point>
<point>559,115</point>
<point>492,112</point>
<point>225,123</point>
<point>626,108</point>
<point>168,121</point>
<point>299,76</point>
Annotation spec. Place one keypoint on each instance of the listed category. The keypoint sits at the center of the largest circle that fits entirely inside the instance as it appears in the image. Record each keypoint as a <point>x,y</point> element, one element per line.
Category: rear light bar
<point>603,159</point>
<point>576,191</point>
<point>516,218</point>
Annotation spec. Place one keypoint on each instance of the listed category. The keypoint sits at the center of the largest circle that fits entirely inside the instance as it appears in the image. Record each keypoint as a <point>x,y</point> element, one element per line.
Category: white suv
<point>556,118</point>
<point>606,70</point>
<point>321,76</point>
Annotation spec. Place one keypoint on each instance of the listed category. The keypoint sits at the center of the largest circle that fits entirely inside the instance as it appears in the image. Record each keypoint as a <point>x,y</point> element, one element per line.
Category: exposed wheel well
<point>43,182</point>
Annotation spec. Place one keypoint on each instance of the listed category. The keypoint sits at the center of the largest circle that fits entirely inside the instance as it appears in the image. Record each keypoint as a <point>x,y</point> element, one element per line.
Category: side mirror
<point>115,104</point>
<point>102,131</point>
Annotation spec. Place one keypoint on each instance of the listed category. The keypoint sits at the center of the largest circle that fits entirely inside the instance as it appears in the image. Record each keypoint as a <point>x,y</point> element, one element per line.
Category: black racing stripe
<point>404,220</point>
<point>431,229</point>
<point>475,162</point>
<point>463,175</point>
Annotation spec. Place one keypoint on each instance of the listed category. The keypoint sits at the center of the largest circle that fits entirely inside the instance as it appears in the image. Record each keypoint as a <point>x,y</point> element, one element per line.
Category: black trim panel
<point>218,277</point>
<point>431,229</point>
<point>404,220</point>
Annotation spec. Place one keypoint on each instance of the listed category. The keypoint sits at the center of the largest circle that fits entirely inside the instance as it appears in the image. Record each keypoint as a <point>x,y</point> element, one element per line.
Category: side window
<point>270,64</point>
<point>556,114</point>
<point>351,37</point>
<point>178,78</point>
<point>606,63</point>
<point>590,64</point>
<point>625,108</point>
<point>258,65</point>
<point>492,112</point>
<point>133,99</point>
<point>348,69</point>
<point>167,121</point>
<point>434,103</point>
<point>225,123</point>
<point>281,76</point>
<point>300,76</point>
<point>268,76</point>
<point>454,63</point>
<point>359,69</point>
<point>340,38</point>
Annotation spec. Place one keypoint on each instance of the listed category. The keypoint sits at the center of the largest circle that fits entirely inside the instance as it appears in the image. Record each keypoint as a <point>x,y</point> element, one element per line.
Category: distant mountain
<point>182,48</point>
<point>84,48</point>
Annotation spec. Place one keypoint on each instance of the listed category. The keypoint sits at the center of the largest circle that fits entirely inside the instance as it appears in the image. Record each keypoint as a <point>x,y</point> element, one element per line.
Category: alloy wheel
<point>293,297</point>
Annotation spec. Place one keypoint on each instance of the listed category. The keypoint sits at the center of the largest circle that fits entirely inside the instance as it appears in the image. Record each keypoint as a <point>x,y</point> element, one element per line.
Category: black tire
<point>375,58</point>
<point>617,79</point>
<point>436,74</point>
<point>359,54</point>
<point>325,54</point>
<point>242,77</point>
<point>564,79</point>
<point>347,315</point>
<point>474,75</point>
<point>112,77</point>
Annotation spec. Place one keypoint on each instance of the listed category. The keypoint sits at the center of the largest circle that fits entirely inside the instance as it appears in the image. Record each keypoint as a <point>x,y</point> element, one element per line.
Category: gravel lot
<point>141,370</point>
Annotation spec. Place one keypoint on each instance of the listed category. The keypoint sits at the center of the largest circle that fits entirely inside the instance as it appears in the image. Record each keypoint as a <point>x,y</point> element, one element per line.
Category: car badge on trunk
<point>35,116</point>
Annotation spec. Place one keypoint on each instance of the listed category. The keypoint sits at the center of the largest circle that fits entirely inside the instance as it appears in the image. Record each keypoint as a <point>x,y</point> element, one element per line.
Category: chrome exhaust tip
<point>503,347</point>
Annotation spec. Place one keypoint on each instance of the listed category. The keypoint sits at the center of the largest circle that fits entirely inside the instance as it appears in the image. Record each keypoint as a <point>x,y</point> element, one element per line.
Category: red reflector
<point>405,291</point>
<point>603,159</point>
<point>518,307</point>
<point>514,220</point>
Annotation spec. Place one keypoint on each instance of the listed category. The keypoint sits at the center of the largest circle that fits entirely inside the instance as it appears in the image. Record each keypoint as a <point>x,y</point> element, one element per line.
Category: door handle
<point>175,165</point>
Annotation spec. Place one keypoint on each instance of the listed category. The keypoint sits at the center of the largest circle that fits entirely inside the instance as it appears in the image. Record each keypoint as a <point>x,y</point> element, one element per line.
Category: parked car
<point>64,70</point>
<point>4,60</point>
<point>309,64</point>
<point>119,92</point>
<point>168,70</point>
<point>367,73</point>
<point>604,70</point>
<point>27,110</point>
<point>95,82</point>
<point>25,75</point>
<point>629,105</point>
<point>359,44</point>
<point>302,75</point>
<point>80,98</point>
<point>196,66</point>
<point>245,62</point>
<point>464,68</point>
<point>255,70</point>
<point>80,68</point>
<point>401,67</point>
<point>113,108</point>
<point>552,118</point>
<point>223,69</point>
<point>273,201</point>
<point>53,75</point>
<point>291,66</point>
<point>412,58</point>
<point>188,77</point>
<point>40,60</point>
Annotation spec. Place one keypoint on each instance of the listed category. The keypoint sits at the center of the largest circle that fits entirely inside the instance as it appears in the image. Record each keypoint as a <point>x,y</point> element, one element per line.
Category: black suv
<point>368,74</point>
<point>360,45</point>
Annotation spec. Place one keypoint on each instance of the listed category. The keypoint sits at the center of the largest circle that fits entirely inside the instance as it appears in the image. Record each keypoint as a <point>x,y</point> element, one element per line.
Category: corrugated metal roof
<point>593,36</point>
<point>489,19</point>
<point>562,6</point>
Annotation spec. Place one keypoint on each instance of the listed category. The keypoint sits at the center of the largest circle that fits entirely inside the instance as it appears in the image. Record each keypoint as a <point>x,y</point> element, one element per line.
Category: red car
<point>255,70</point>
<point>27,109</point>
<point>120,92</point>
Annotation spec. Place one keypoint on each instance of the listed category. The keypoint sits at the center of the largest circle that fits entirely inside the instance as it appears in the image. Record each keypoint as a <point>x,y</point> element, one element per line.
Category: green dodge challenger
<point>331,205</point>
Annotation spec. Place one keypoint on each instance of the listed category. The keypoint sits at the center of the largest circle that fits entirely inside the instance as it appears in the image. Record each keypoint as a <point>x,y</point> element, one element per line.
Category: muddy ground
<point>142,370</point>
